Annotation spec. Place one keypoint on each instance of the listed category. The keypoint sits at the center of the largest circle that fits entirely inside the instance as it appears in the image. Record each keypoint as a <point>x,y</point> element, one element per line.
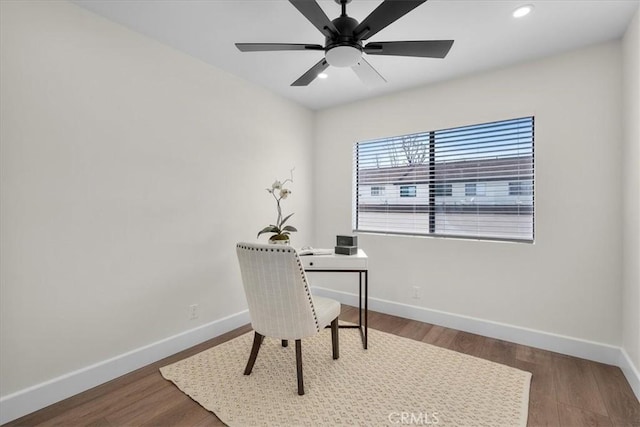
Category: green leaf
<point>289,228</point>
<point>285,219</point>
<point>269,229</point>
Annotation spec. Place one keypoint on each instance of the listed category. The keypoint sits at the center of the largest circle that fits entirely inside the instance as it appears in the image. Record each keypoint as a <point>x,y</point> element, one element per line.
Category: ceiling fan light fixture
<point>523,11</point>
<point>344,38</point>
<point>343,56</point>
<point>323,75</point>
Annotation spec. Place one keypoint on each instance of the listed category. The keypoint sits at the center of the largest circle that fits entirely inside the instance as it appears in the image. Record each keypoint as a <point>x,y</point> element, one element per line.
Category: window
<point>442,190</point>
<point>377,191</point>
<point>475,189</point>
<point>473,181</point>
<point>407,191</point>
<point>470,189</point>
<point>520,188</point>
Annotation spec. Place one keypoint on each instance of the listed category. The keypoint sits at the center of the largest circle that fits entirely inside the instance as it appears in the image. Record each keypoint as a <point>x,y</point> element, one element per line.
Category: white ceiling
<point>486,37</point>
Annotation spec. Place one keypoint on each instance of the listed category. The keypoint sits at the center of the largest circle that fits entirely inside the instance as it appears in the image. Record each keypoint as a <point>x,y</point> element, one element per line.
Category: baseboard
<point>571,346</point>
<point>31,399</point>
<point>630,372</point>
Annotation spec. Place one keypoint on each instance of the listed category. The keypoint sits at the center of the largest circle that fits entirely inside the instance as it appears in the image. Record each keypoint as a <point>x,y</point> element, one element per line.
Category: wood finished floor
<point>565,391</point>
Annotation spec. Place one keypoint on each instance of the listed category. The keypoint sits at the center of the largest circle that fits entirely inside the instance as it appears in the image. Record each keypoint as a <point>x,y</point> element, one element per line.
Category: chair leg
<point>299,367</point>
<point>285,343</point>
<point>257,340</point>
<point>335,343</point>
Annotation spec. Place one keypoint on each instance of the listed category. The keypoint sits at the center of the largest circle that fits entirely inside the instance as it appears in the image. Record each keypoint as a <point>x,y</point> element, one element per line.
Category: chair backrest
<point>277,291</point>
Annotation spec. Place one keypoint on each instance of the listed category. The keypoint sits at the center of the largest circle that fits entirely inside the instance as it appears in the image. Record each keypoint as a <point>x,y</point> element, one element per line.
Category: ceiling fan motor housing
<point>343,49</point>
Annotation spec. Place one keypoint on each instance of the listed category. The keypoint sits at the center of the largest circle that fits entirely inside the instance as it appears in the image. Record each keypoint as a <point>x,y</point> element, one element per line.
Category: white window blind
<point>473,181</point>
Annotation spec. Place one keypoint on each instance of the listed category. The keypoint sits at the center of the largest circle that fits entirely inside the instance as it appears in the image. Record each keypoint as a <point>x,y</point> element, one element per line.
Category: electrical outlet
<point>417,292</point>
<point>193,311</point>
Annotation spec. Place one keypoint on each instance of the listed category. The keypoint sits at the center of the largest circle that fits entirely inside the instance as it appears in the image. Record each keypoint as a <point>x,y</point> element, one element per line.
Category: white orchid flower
<point>280,231</point>
<point>284,193</point>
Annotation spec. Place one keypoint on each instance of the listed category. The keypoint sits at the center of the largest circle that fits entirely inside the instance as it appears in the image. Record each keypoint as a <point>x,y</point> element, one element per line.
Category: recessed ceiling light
<point>323,75</point>
<point>522,11</point>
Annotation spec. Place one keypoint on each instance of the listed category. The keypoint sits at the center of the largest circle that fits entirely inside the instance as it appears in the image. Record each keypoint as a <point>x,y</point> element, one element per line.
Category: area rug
<point>397,381</point>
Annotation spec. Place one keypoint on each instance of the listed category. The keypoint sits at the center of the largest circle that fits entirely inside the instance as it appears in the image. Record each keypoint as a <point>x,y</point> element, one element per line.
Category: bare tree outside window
<point>415,150</point>
<point>411,150</point>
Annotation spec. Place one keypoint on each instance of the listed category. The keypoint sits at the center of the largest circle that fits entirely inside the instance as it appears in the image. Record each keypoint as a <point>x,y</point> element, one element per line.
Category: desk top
<point>356,262</point>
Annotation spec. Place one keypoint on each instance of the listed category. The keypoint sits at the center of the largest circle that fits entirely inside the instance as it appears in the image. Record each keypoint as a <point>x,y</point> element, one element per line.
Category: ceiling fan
<point>344,38</point>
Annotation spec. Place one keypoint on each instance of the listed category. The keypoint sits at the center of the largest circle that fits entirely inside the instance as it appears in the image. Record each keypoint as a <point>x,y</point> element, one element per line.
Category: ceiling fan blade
<point>265,47</point>
<point>425,49</point>
<point>388,12</point>
<point>367,74</point>
<point>314,13</point>
<point>313,72</point>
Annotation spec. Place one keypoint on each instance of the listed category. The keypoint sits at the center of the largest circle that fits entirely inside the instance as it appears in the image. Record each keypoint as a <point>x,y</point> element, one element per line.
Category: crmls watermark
<point>414,418</point>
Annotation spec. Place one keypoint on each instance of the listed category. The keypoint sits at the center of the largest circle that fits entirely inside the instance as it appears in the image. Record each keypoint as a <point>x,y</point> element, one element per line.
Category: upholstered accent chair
<point>280,304</point>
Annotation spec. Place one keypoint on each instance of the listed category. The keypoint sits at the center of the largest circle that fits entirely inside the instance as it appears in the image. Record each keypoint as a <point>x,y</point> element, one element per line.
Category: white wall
<point>568,282</point>
<point>129,170</point>
<point>128,173</point>
<point>631,192</point>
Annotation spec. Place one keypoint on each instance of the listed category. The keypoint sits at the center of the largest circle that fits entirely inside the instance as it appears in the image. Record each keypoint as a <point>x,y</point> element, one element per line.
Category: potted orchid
<point>280,231</point>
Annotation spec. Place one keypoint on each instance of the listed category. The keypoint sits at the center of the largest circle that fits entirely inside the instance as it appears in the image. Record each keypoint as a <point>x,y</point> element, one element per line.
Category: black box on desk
<point>347,241</point>
<point>346,250</point>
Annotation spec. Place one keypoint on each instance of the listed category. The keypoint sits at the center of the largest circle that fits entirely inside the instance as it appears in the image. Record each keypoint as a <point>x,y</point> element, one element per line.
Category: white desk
<point>345,264</point>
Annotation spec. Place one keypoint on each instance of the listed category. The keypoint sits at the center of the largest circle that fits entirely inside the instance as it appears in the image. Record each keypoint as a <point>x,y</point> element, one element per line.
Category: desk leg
<point>363,324</point>
<point>360,300</point>
<point>364,327</point>
<point>366,310</point>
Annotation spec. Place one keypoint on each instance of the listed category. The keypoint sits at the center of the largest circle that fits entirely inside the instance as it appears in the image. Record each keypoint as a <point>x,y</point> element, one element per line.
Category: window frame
<point>485,189</point>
